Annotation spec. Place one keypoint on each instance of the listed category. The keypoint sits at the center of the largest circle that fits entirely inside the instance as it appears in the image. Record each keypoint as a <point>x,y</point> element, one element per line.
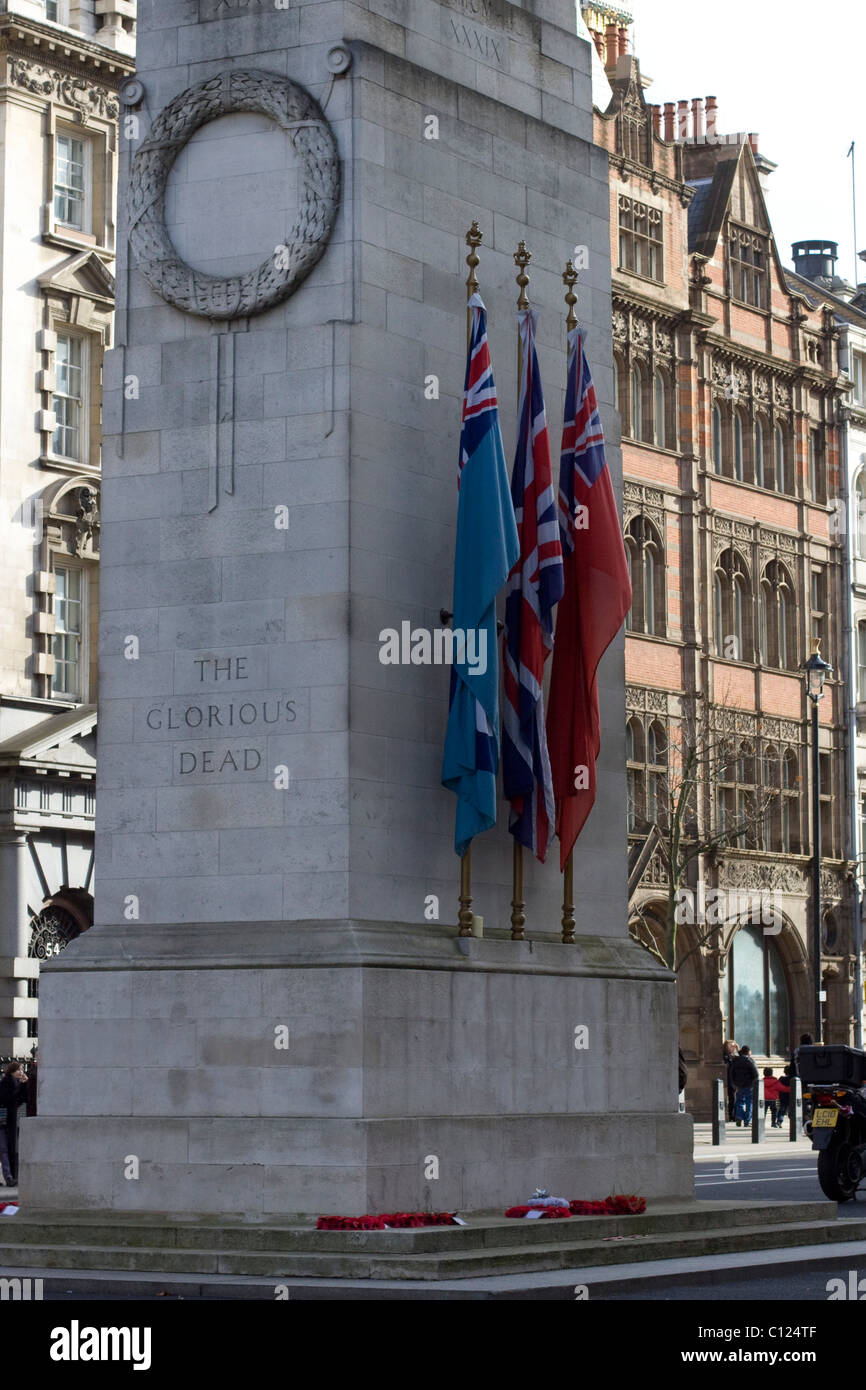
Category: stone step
<point>484,1230</point>
<point>360,1263</point>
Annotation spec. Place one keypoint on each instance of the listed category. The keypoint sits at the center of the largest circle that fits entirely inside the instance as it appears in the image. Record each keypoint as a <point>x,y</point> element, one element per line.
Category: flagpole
<point>522,257</point>
<point>854,205</point>
<point>569,279</point>
<point>465,916</point>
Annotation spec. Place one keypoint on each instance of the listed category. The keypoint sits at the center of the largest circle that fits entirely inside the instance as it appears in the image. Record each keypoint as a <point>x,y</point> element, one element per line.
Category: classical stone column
<point>14,934</point>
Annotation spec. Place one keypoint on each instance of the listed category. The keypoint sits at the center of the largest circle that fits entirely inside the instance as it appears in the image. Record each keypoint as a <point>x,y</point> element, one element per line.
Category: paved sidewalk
<point>775,1142</point>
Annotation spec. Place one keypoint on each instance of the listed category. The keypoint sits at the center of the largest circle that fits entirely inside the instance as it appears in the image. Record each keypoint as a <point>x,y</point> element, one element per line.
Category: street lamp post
<point>816,670</point>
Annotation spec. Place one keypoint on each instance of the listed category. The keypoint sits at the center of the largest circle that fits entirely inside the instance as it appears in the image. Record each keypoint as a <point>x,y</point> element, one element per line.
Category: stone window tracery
<point>777,618</point>
<point>646,566</point>
<point>732,592</point>
<point>748,254</point>
<point>641,248</point>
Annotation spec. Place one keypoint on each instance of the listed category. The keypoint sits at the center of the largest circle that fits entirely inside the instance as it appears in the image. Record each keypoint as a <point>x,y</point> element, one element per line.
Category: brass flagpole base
<point>568,901</point>
<point>518,916</point>
<point>464,916</point>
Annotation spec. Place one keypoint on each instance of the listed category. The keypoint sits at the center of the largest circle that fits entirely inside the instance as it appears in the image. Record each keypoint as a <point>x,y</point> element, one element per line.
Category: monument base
<point>355,1067</point>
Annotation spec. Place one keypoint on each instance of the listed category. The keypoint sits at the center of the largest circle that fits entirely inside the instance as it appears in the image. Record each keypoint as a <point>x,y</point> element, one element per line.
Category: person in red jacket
<point>771,1096</point>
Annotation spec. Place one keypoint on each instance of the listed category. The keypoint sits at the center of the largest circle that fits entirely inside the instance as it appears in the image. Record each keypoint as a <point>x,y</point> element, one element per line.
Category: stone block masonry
<point>271,831</point>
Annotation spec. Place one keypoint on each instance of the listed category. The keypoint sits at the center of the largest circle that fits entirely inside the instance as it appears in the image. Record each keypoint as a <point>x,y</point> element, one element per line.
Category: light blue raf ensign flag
<point>487,548</point>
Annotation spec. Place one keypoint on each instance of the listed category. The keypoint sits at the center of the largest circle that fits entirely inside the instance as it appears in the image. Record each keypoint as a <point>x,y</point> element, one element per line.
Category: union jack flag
<point>480,407</point>
<point>535,585</point>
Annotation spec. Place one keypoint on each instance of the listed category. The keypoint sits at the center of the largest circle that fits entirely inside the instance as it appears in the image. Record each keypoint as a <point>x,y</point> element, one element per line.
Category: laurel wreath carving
<point>302,119</point>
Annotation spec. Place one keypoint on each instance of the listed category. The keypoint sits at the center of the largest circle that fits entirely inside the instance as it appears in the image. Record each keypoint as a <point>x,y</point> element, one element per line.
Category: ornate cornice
<point>68,51</point>
<point>65,85</point>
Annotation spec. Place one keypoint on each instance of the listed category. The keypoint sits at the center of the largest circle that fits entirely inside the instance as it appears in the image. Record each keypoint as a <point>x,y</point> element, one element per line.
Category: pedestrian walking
<point>784,1094</point>
<point>729,1051</point>
<point>771,1097</point>
<point>13,1094</point>
<point>744,1074</point>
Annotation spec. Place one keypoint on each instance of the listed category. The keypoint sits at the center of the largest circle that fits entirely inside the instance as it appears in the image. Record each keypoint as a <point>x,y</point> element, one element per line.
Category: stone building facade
<point>729,392</point>
<point>62,64</point>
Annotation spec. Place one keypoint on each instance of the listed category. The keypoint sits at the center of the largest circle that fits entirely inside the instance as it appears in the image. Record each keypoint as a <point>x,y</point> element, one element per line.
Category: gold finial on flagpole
<point>522,257</point>
<point>570,278</point>
<point>474,238</point>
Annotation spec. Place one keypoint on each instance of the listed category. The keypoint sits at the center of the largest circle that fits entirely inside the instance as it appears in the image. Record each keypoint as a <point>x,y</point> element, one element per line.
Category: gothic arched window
<point>733,597</point>
<point>778,618</point>
<point>739,466</point>
<point>718,450</point>
<point>646,567</point>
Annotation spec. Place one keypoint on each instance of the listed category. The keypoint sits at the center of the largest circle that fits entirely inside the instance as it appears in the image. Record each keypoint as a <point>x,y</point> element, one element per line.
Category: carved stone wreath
<point>297,113</point>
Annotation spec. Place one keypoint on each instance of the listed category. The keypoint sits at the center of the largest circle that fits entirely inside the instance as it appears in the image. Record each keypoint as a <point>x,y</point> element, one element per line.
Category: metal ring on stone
<point>234,296</point>
<point>131,92</point>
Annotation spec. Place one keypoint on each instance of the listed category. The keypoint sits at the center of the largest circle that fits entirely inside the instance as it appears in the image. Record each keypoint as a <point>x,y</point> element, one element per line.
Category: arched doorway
<point>759,1001</point>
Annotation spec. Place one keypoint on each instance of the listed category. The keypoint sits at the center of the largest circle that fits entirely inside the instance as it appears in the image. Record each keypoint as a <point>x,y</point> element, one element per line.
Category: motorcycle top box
<point>831,1064</point>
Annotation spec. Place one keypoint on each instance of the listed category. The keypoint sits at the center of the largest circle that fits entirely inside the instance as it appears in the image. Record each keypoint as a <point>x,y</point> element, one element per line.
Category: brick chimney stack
<point>670,131</point>
<point>657,120</point>
<point>712,118</point>
<point>682,120</point>
<point>623,41</point>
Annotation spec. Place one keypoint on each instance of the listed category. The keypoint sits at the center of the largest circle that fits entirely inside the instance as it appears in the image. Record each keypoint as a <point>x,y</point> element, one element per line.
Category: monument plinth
<point>272,1013</point>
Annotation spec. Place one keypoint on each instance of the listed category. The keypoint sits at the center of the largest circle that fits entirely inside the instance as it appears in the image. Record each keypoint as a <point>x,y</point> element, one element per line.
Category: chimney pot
<point>657,120</point>
<point>712,119</point>
<point>698,118</point>
<point>669,120</point>
<point>611,45</point>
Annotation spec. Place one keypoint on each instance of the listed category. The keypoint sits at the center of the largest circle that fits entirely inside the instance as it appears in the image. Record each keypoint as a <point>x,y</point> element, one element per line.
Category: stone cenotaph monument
<point>273,1012</point>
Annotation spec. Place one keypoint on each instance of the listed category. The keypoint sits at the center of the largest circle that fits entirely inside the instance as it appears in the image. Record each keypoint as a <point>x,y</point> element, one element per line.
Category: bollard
<point>795,1110</point>
<point>758,1110</point>
<point>720,1110</point>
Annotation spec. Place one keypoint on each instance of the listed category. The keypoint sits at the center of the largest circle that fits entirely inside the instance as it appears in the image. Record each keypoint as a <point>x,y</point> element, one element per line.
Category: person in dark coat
<point>784,1094</point>
<point>32,1081</point>
<point>13,1093</point>
<point>743,1073</point>
<point>729,1051</point>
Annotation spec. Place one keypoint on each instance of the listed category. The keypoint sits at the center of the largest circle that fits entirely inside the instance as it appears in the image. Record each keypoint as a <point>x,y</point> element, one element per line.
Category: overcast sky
<point>793,72</point>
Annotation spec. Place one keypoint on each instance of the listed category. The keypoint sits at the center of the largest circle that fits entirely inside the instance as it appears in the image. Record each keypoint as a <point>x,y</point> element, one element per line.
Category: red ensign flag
<point>591,611</point>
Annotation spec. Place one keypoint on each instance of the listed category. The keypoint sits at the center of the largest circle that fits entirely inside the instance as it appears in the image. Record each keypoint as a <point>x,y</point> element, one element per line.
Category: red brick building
<point>728,392</point>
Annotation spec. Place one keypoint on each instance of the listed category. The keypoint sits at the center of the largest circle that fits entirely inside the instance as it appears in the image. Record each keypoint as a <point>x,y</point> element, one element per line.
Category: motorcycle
<point>834,1080</point>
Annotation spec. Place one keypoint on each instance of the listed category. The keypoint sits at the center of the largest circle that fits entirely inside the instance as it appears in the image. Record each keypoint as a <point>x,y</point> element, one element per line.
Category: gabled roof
<point>84,273</point>
<point>708,207</point>
<point>40,740</point>
<point>713,191</point>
